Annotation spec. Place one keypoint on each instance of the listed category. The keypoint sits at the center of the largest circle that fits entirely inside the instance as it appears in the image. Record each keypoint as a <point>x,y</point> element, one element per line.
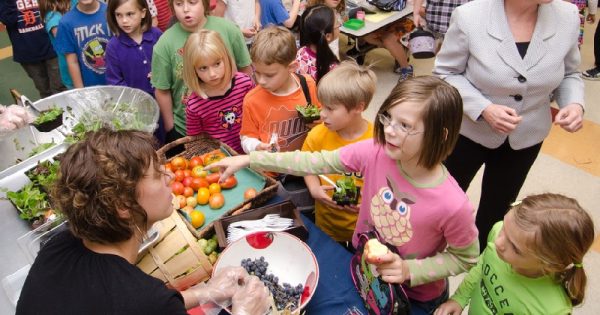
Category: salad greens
<point>44,174</point>
<point>308,110</point>
<point>41,148</point>
<point>48,115</point>
<point>348,192</point>
<point>31,202</point>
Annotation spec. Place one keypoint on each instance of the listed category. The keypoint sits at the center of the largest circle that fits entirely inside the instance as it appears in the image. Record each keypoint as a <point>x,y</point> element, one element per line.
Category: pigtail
<point>574,282</point>
<point>316,23</point>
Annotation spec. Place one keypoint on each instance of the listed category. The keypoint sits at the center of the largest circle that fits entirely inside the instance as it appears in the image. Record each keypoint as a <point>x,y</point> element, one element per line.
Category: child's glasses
<point>398,128</point>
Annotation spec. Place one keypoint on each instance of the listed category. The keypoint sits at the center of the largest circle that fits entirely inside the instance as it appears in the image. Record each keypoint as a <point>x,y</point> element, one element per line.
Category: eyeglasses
<point>398,128</point>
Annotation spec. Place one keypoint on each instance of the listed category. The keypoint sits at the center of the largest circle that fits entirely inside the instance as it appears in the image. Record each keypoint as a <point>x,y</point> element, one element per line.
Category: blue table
<point>335,292</point>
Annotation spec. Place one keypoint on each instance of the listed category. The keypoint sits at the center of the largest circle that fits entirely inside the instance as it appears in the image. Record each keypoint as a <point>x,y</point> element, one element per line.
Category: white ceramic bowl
<point>290,259</point>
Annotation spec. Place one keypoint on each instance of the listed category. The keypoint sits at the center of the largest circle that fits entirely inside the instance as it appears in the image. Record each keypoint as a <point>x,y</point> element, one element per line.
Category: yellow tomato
<point>214,188</point>
<point>203,195</point>
<point>197,218</point>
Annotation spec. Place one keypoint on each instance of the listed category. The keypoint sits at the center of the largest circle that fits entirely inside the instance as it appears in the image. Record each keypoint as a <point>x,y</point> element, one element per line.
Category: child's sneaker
<point>592,74</point>
<point>404,73</point>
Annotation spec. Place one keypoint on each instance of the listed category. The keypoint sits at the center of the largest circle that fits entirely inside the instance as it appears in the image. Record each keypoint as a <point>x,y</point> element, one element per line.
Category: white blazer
<point>480,58</point>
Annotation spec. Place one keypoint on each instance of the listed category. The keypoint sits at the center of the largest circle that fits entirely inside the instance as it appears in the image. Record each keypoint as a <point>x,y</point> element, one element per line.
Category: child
<point>389,38</point>
<point>215,104</point>
<point>167,63</point>
<point>437,14</point>
<point>129,52</point>
<point>345,93</point>
<point>52,11</point>
<point>409,198</point>
<point>270,108</point>
<point>272,12</point>
<point>318,28</point>
<point>30,44</point>
<point>532,262</point>
<point>163,14</point>
<point>82,37</point>
<point>245,14</point>
<point>339,6</point>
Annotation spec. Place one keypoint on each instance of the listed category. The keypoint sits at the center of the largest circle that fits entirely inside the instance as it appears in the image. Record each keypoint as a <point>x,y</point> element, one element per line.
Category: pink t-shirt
<point>419,221</point>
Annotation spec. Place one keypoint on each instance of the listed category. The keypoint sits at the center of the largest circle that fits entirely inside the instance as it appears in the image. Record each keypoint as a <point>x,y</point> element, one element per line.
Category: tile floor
<point>568,163</point>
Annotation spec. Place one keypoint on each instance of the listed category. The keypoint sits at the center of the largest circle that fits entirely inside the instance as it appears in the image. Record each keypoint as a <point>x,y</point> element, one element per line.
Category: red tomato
<point>198,183</point>
<point>179,163</point>
<point>229,183</point>
<point>195,161</point>
<point>187,173</point>
<point>177,188</point>
<point>179,176</point>
<point>188,192</point>
<point>249,193</point>
<point>213,178</point>
<point>216,201</point>
<point>187,181</point>
<point>168,167</point>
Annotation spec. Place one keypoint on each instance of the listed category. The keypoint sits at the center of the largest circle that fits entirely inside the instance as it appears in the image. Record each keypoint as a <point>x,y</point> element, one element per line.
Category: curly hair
<point>98,177</point>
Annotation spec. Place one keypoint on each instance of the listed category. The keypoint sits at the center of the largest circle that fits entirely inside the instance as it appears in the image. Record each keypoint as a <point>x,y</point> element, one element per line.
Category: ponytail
<point>316,23</point>
<point>574,281</point>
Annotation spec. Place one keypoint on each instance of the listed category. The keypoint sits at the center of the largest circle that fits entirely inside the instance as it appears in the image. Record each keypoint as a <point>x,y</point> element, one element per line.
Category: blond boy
<point>345,92</point>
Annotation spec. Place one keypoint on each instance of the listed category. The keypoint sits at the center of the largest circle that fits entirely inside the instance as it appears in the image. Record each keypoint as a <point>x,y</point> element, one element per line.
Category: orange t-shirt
<point>266,113</point>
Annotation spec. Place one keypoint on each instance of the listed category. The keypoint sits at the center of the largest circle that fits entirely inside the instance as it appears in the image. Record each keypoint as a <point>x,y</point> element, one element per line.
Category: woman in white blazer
<point>509,59</point>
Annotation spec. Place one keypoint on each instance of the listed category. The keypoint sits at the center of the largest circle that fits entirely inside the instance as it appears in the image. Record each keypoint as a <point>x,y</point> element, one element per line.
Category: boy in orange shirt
<point>345,93</point>
<point>270,108</point>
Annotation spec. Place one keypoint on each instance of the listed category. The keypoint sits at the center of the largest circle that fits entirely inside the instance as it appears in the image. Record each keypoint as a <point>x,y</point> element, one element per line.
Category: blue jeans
<point>428,307</point>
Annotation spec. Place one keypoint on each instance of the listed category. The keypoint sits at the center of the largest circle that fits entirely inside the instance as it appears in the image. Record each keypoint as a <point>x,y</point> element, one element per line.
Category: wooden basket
<point>176,258</point>
<point>203,143</point>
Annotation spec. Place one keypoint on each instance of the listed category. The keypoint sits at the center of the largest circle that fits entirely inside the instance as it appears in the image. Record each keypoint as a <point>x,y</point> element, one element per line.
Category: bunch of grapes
<point>284,294</point>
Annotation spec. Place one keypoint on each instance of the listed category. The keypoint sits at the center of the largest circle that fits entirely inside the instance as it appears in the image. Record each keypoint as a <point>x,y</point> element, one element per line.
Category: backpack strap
<point>304,86</point>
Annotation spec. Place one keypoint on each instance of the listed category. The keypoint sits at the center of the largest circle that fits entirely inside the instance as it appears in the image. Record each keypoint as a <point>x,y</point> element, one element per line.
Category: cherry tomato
<point>179,175</point>
<point>187,181</point>
<point>168,167</point>
<point>214,188</point>
<point>177,188</point>
<point>198,183</point>
<point>198,171</point>
<point>249,193</point>
<point>203,195</point>
<point>216,201</point>
<point>229,183</point>
<point>213,178</point>
<point>195,161</point>
<point>188,191</point>
<point>179,163</point>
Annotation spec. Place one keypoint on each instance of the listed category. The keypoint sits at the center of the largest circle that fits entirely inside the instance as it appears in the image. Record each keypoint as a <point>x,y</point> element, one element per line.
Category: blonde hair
<point>201,46</point>
<point>274,44</point>
<point>563,233</point>
<point>348,84</point>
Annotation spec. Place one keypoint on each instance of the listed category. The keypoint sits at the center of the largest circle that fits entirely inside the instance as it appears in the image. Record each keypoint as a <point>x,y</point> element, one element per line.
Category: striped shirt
<point>219,116</point>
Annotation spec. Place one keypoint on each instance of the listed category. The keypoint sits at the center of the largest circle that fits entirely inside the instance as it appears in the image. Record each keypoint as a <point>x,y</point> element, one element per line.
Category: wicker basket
<point>200,144</point>
<point>176,257</point>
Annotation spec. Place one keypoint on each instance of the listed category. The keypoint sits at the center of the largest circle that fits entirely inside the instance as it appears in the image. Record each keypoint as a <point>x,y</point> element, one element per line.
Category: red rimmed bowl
<point>289,258</point>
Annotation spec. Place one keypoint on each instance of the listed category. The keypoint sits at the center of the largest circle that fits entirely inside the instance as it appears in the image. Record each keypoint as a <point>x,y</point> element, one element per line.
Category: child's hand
<point>321,195</point>
<point>267,147</point>
<point>249,32</point>
<point>392,268</point>
<point>591,18</point>
<point>352,208</point>
<point>230,165</point>
<point>257,25</point>
<point>450,307</point>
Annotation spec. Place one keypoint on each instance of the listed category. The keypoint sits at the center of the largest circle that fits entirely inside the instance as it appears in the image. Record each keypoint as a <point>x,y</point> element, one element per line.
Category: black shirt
<point>68,278</point>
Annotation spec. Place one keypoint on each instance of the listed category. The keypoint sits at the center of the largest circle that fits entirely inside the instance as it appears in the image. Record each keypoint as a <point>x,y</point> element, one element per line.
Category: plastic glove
<point>14,117</point>
<point>220,288</point>
<point>252,299</point>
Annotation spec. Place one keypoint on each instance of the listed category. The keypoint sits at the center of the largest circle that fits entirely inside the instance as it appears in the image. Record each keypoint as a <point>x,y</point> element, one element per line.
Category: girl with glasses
<point>409,200</point>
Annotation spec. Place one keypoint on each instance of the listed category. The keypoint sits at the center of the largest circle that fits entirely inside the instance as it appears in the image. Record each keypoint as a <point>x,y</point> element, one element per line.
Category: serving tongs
<point>22,100</point>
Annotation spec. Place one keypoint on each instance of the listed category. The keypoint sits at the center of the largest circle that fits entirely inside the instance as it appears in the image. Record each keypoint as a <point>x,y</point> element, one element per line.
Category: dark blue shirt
<point>129,63</point>
<point>26,31</point>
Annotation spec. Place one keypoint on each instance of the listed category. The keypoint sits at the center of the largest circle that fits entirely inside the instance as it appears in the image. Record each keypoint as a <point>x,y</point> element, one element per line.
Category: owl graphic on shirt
<point>390,212</point>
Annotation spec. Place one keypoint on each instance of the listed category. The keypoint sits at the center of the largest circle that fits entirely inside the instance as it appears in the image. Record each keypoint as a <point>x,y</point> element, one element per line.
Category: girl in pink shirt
<point>215,103</point>
<point>409,200</point>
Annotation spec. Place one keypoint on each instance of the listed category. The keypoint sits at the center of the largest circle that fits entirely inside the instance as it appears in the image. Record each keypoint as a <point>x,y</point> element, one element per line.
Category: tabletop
<point>378,20</point>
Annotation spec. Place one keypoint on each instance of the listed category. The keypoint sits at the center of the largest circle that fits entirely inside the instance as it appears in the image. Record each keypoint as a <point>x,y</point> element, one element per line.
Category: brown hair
<point>99,176</point>
<point>111,17</point>
<point>60,6</point>
<point>442,115</point>
<point>201,46</point>
<point>349,85</point>
<point>274,44</point>
<point>205,5</point>
<point>563,233</point>
<point>340,8</point>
